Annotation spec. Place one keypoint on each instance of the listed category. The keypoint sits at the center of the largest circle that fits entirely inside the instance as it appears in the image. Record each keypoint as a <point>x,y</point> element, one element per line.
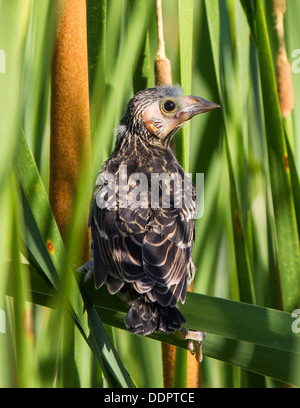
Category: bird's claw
<point>88,270</point>
<point>195,340</point>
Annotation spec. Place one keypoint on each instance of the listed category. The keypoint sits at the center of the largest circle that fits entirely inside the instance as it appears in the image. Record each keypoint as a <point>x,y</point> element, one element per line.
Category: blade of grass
<point>6,219</point>
<point>12,48</point>
<point>271,362</point>
<point>283,203</point>
<point>213,20</point>
<point>295,183</point>
<point>180,370</point>
<point>253,337</point>
<point>96,41</point>
<point>245,279</point>
<point>35,85</point>
<point>96,37</point>
<point>91,329</point>
<point>42,230</point>
<point>120,68</point>
<point>185,14</point>
<point>26,368</point>
<point>142,75</point>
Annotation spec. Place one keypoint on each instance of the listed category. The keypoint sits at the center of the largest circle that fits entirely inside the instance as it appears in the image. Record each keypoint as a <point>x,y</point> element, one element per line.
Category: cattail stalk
<point>70,142</point>
<point>163,71</point>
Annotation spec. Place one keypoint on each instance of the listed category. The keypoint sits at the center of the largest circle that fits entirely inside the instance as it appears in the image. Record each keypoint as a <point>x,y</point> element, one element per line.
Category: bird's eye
<point>169,106</point>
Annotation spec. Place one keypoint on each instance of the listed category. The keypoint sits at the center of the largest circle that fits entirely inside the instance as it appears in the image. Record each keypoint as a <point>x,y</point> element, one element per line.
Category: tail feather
<point>145,317</point>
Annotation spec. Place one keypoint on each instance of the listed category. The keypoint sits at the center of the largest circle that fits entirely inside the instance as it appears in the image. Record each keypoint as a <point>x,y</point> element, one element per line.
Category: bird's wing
<point>117,236</point>
<point>167,246</point>
<point>167,250</point>
<point>149,248</point>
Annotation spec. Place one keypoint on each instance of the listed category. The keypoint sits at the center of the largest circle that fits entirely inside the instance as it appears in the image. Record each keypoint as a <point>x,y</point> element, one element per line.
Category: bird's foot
<point>195,340</point>
<point>88,270</point>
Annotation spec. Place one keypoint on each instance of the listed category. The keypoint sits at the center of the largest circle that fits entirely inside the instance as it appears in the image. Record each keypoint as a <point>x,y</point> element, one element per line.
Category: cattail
<point>70,129</point>
<point>283,66</point>
<point>168,356</point>
<point>284,83</point>
<point>193,367</point>
<point>163,70</point>
<point>279,7</point>
<point>163,73</point>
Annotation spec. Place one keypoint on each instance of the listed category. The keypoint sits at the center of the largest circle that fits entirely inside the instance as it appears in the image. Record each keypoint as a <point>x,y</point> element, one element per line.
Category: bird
<point>141,248</point>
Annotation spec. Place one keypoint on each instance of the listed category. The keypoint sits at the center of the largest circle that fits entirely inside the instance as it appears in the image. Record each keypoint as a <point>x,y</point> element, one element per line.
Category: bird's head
<point>157,113</point>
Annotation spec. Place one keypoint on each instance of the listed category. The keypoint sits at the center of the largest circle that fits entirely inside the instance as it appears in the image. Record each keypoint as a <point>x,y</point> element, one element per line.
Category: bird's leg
<point>88,270</point>
<point>195,340</point>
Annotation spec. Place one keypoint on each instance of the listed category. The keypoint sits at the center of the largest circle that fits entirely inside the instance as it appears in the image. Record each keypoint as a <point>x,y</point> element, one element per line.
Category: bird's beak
<point>192,105</point>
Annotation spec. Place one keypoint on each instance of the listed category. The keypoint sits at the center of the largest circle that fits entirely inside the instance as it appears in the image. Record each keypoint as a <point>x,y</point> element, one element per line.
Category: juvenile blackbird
<point>143,249</point>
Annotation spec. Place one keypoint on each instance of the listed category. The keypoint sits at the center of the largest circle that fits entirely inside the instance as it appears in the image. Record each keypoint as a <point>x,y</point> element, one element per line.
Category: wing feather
<point>147,248</point>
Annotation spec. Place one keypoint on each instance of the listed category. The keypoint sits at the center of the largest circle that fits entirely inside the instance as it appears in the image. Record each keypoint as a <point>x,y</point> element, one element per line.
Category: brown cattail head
<point>70,143</point>
<point>284,83</point>
<point>169,353</point>
<point>279,7</point>
<point>283,67</point>
<point>194,372</point>
<point>163,71</point>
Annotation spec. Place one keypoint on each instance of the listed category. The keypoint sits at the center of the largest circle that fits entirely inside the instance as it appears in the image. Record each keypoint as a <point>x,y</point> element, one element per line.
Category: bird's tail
<point>145,317</point>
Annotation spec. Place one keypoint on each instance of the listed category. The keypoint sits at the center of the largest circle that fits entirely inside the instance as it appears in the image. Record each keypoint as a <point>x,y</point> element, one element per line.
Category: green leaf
<point>245,279</point>
<point>185,12</point>
<point>295,183</point>
<point>26,367</point>
<point>96,41</point>
<point>88,323</point>
<point>13,14</point>
<point>283,202</point>
<point>256,338</point>
<point>213,19</point>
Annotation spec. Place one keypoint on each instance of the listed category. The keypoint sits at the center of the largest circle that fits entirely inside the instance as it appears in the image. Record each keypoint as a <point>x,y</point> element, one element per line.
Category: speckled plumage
<point>145,253</point>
